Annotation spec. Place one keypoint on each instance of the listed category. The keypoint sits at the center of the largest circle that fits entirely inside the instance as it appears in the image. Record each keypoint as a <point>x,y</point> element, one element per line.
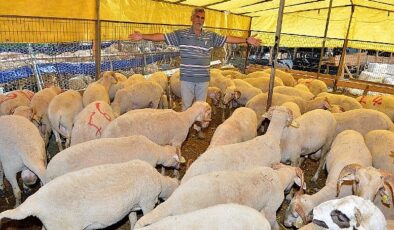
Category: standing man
<point>195,49</point>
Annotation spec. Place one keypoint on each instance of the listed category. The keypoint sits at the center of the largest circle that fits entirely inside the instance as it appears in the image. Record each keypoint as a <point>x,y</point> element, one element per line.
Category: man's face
<point>198,19</point>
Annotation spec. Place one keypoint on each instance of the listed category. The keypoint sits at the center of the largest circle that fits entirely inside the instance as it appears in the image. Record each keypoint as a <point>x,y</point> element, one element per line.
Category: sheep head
<point>296,211</point>
<point>367,182</point>
<point>215,94</point>
<point>292,171</point>
<point>280,111</point>
<point>204,113</point>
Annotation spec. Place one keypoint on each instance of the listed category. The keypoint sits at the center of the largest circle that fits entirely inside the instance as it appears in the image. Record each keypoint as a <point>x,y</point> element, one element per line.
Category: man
<point>195,49</point>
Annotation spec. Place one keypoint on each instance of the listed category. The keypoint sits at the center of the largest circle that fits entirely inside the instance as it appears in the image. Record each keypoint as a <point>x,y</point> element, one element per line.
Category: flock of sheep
<point>120,129</point>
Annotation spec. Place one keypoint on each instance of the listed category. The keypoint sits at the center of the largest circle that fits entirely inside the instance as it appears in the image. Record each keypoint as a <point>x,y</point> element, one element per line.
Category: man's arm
<point>250,40</point>
<point>137,36</point>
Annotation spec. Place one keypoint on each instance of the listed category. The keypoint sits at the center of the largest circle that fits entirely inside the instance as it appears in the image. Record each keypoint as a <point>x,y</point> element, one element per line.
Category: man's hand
<point>253,41</point>
<point>136,36</point>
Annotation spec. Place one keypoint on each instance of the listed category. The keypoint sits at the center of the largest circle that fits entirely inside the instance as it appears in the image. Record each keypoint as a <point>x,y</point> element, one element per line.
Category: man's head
<point>198,17</point>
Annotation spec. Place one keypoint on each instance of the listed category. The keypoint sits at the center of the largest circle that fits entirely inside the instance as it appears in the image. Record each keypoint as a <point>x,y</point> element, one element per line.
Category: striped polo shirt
<point>195,52</point>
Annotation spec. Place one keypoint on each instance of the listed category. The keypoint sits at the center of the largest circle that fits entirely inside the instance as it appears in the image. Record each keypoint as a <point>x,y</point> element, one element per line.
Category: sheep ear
<point>237,94</point>
<point>358,215</point>
<point>385,194</point>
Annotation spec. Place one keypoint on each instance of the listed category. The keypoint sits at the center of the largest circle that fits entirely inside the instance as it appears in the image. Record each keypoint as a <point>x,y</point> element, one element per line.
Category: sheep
<point>242,92</point>
<point>259,151</point>
<point>347,148</point>
<point>302,87</point>
<point>39,105</point>
<point>220,81</point>
<point>134,79</point>
<point>314,85</point>
<point>99,90</point>
<point>175,84</point>
<point>79,82</point>
<point>351,212</point>
<point>263,83</point>
<point>214,96</point>
<point>294,92</point>
<point>164,127</point>
<point>111,150</point>
<point>220,217</point>
<point>362,120</point>
<point>14,99</point>
<point>233,74</point>
<point>21,148</point>
<point>315,131</point>
<point>239,127</point>
<point>381,145</point>
<point>61,113</point>
<point>259,102</point>
<point>120,79</point>
<point>260,188</point>
<point>287,78</point>
<point>259,74</point>
<point>161,79</point>
<point>141,94</point>
<point>91,121</point>
<point>24,111</point>
<point>382,103</point>
<point>370,181</point>
<point>295,109</point>
<point>82,199</point>
<point>345,102</point>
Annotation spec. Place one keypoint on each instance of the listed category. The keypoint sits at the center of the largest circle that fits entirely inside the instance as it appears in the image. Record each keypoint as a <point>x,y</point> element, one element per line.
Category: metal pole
<point>325,38</point>
<point>35,69</point>
<point>343,56</point>
<point>97,41</point>
<point>275,51</point>
<point>247,45</point>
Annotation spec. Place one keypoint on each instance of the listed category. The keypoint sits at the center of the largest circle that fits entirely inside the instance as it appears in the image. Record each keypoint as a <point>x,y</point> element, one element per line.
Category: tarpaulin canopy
<point>371,27</point>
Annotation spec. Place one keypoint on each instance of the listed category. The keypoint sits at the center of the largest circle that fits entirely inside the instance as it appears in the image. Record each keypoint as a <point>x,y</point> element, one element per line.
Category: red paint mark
<point>363,100</point>
<point>29,94</point>
<point>9,96</point>
<point>106,116</point>
<point>377,100</point>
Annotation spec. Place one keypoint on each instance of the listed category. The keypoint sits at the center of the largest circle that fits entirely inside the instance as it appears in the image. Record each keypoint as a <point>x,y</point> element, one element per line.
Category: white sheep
<point>14,99</point>
<point>214,97</point>
<point>259,103</point>
<point>219,217</point>
<point>261,188</point>
<point>61,113</point>
<point>295,109</point>
<point>382,103</point>
<point>164,127</point>
<point>120,80</point>
<point>242,92</point>
<point>302,87</point>
<point>239,127</point>
<point>315,131</point>
<point>24,111</point>
<point>345,102</point>
<point>260,151</point>
<point>39,105</point>
<point>111,150</point>
<point>258,74</point>
<point>294,92</point>
<point>22,148</point>
<point>287,78</point>
<point>347,148</point>
<point>351,212</point>
<point>161,79</point>
<point>314,85</point>
<point>141,94</point>
<point>82,199</point>
<point>91,122</point>
<point>99,90</point>
<point>263,83</point>
<point>362,120</point>
<point>233,74</point>
<point>381,145</point>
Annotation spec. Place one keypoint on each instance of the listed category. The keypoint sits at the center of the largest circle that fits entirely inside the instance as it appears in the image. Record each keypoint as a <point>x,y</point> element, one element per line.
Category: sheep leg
<point>11,177</point>
<point>132,219</point>
<point>271,217</point>
<point>58,140</point>
<point>163,170</point>
<point>322,161</point>
<point>1,180</point>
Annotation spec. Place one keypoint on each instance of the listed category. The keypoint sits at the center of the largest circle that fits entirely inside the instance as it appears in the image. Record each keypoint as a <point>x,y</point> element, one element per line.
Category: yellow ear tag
<point>385,199</point>
<point>295,124</point>
<point>299,223</point>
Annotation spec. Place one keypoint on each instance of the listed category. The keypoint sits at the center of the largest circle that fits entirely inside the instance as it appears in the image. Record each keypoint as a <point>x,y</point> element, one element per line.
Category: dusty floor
<point>191,149</point>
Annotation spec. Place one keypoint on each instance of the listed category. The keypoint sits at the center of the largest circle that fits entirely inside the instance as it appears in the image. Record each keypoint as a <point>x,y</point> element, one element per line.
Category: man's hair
<point>198,10</point>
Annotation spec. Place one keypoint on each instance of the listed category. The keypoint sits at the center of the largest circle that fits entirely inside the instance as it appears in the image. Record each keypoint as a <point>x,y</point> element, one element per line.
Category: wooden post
<point>358,62</point>
<point>248,46</point>
<point>97,41</point>
<point>275,51</point>
<point>343,56</point>
<point>324,39</point>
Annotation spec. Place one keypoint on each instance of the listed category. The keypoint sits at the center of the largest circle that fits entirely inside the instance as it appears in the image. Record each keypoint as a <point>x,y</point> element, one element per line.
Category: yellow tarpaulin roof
<point>303,25</point>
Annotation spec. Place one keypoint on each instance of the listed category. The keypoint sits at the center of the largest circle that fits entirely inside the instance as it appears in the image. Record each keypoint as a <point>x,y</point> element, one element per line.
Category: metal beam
<point>276,8</point>
<point>97,41</point>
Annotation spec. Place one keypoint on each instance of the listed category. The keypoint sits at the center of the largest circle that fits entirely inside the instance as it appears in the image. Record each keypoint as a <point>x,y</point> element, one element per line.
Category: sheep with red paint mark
<point>90,123</point>
<point>14,99</point>
<point>382,103</point>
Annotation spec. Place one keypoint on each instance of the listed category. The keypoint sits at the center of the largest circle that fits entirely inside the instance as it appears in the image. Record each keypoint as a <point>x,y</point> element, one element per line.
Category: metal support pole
<point>275,51</point>
<point>97,41</point>
<point>324,39</point>
<point>248,46</point>
<point>35,69</point>
<point>343,56</point>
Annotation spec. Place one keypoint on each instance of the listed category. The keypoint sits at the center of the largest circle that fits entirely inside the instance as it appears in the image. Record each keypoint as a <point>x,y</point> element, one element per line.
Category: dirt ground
<point>191,149</point>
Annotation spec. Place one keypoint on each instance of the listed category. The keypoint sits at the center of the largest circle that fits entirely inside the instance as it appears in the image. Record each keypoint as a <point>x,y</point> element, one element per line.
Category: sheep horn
<point>300,174</point>
<point>301,212</point>
<point>346,171</point>
<point>388,179</point>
